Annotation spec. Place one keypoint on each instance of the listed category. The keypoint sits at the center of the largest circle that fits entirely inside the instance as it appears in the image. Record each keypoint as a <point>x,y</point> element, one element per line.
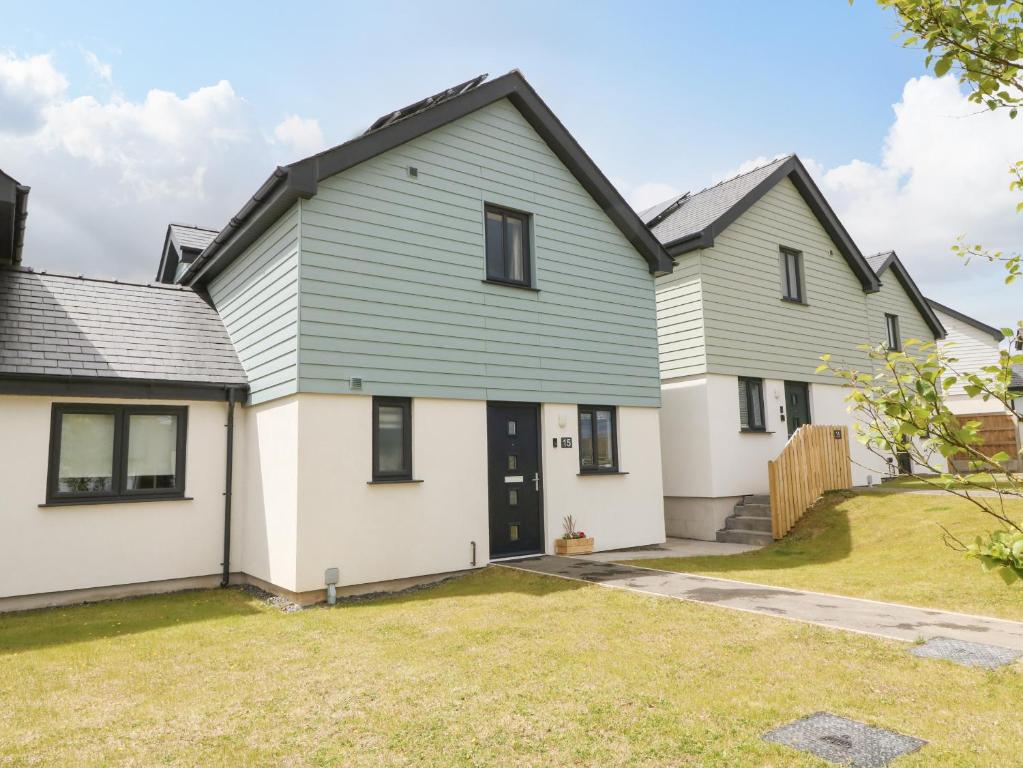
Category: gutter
<point>236,222</point>
<point>228,480</point>
<point>20,217</point>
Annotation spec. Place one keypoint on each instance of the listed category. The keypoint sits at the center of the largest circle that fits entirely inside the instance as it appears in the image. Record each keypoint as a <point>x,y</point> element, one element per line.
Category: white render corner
<point>620,510</point>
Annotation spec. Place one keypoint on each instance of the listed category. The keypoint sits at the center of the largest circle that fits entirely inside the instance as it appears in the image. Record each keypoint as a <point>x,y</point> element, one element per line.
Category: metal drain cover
<point>966,653</point>
<point>843,741</point>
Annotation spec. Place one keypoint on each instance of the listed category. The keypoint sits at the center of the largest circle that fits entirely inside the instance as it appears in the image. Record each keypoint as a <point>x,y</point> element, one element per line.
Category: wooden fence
<point>815,460</point>
<point>998,433</point>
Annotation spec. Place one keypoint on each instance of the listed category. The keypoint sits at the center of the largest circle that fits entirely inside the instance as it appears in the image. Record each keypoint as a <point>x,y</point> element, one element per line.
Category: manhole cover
<point>843,741</point>
<point>966,653</point>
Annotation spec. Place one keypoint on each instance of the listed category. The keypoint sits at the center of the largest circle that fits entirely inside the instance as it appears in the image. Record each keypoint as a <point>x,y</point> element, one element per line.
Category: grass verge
<point>498,668</point>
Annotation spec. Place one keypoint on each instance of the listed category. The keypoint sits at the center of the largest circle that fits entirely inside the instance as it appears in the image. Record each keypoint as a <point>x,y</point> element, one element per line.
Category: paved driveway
<point>899,622</point>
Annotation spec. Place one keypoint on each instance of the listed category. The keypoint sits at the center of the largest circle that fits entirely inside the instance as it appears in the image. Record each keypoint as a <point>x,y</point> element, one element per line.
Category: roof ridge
<point>192,226</point>
<point>85,279</point>
<point>779,159</point>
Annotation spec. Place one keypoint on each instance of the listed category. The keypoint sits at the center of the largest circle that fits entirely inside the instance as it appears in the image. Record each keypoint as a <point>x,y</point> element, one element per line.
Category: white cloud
<point>101,69</point>
<point>301,135</point>
<point>645,195</point>
<point>27,87</point>
<point>108,174</point>
<point>942,172</point>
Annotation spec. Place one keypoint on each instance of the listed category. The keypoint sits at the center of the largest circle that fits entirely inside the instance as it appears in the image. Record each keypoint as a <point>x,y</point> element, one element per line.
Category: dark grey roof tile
<point>83,327</point>
<point>694,212</point>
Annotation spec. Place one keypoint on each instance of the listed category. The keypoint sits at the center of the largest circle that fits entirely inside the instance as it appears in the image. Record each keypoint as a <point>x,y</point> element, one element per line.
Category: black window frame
<point>527,261</point>
<point>892,331</point>
<point>787,294</point>
<point>749,426</point>
<point>122,419</point>
<point>591,412</point>
<point>405,473</point>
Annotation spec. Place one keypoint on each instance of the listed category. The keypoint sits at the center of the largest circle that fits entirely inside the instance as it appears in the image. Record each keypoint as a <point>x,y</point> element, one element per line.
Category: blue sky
<point>664,96</point>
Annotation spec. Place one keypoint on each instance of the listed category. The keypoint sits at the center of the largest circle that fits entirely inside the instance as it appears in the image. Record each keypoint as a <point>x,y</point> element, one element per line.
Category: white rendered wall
<point>705,453</point>
<point>266,508</point>
<point>52,549</point>
<point>389,531</point>
<point>623,510</point>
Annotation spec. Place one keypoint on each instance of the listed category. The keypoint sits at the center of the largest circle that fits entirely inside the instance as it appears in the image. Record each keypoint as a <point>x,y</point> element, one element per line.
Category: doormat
<point>843,741</point>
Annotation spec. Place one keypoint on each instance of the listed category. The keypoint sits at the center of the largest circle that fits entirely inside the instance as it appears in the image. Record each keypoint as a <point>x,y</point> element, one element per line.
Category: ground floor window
<point>598,439</point>
<point>392,438</point>
<point>116,452</point>
<point>751,404</point>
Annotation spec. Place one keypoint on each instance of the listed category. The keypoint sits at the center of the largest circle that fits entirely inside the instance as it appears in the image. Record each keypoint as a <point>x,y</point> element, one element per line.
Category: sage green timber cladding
<point>892,299</point>
<point>392,271</point>
<point>721,311</point>
<point>680,337</point>
<point>257,297</point>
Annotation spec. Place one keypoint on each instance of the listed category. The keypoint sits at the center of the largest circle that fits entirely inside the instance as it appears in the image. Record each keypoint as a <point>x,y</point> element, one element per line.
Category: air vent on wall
<point>355,384</point>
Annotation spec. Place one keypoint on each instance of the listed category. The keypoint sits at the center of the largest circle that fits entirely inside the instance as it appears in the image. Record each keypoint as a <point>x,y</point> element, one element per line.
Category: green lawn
<point>977,481</point>
<point>499,668</point>
<point>876,545</point>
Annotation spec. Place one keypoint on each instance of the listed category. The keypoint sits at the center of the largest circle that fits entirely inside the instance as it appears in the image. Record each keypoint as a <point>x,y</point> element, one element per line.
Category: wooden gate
<point>815,460</point>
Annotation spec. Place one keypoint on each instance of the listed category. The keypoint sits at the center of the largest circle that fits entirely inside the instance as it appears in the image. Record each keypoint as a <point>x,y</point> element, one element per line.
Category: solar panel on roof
<point>423,104</point>
<point>668,210</point>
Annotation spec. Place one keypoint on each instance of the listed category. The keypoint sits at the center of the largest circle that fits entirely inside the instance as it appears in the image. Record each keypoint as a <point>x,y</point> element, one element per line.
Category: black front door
<point>513,448</point>
<point>797,405</point>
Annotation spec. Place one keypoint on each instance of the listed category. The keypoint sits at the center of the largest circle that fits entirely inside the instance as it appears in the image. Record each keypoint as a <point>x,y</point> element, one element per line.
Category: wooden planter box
<point>573,546</point>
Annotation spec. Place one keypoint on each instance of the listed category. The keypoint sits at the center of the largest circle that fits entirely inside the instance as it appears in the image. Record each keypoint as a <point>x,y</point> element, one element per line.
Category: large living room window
<point>106,453</point>
<point>751,405</point>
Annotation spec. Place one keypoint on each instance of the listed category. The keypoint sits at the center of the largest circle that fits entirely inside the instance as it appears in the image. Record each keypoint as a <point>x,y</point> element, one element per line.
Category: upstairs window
<point>751,405</point>
<point>792,275</point>
<point>891,323</point>
<point>392,439</point>
<point>106,453</point>
<point>507,235</point>
<point>598,441</point>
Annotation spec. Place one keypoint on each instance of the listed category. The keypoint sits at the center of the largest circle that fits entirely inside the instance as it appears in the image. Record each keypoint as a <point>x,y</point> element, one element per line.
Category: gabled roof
<point>995,333</point>
<point>693,221</point>
<point>13,215</point>
<point>882,262</point>
<point>61,327</point>
<point>182,243</point>
<point>190,236</point>
<point>299,180</point>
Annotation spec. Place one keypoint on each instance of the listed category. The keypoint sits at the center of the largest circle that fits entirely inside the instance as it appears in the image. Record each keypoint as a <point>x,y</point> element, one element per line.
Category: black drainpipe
<point>226,579</point>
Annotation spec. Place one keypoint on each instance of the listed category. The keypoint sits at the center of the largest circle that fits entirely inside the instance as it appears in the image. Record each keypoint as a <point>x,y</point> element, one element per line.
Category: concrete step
<point>748,523</point>
<point>758,538</point>
<point>753,510</point>
<point>757,498</point>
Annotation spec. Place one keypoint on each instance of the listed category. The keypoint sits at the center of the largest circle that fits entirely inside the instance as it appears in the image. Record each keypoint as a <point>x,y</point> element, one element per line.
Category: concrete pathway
<point>671,548</point>
<point>899,622</point>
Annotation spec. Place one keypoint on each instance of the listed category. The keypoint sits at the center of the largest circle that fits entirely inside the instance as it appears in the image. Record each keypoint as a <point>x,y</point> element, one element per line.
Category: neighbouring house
<point>975,345</point>
<point>442,339</point>
<point>766,280</point>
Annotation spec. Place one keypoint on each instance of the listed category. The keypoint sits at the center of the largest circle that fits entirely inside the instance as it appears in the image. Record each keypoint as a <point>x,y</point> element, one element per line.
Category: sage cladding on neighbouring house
<point>766,281</point>
<point>446,334</point>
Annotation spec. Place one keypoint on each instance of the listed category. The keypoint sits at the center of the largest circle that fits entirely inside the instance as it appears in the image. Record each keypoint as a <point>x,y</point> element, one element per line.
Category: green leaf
<point>942,66</point>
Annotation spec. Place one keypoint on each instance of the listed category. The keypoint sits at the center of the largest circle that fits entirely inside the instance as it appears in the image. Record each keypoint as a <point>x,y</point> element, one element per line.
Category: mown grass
<point>499,668</point>
<point>978,481</point>
<point>882,546</point>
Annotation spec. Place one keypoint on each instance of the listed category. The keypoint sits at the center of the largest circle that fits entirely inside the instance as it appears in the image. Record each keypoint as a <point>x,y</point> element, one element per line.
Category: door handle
<point>536,481</point>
